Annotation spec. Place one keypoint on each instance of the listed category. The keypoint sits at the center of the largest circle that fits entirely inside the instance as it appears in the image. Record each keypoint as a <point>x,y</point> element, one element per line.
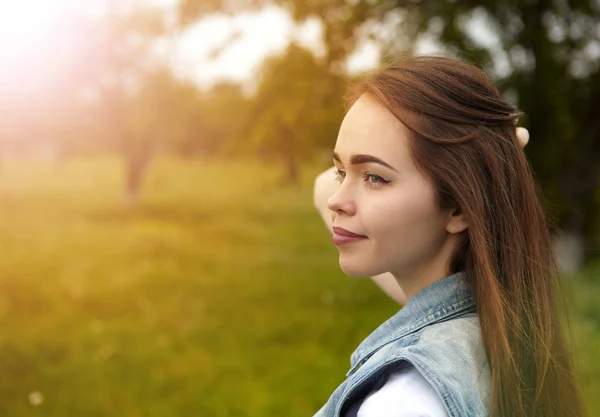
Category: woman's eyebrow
<point>363,159</point>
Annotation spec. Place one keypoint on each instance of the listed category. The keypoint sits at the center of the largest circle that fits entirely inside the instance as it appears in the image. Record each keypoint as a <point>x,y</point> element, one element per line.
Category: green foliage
<point>219,295</point>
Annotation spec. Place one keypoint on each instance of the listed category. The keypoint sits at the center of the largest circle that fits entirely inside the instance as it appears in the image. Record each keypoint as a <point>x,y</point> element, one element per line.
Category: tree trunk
<point>293,172</point>
<point>136,166</point>
<point>289,144</point>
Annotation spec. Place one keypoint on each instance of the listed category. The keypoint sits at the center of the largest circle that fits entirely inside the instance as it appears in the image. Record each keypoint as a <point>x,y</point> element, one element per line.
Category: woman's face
<point>389,202</point>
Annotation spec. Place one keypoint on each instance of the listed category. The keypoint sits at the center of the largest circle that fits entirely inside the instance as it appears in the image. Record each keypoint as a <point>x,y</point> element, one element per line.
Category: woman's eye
<point>374,179</point>
<point>339,175</point>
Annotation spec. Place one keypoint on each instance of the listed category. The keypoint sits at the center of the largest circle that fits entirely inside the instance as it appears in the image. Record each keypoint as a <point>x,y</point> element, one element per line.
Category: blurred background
<point>160,252</point>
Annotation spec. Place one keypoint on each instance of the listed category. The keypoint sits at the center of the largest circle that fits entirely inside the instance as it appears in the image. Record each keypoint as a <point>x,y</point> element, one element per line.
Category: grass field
<point>220,295</point>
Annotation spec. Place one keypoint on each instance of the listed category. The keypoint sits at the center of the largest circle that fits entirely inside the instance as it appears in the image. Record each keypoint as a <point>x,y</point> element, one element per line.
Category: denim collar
<point>439,301</point>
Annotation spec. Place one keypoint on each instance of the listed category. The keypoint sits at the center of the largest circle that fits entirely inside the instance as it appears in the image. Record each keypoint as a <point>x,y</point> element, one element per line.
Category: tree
<point>296,109</point>
<point>158,114</point>
<point>101,80</point>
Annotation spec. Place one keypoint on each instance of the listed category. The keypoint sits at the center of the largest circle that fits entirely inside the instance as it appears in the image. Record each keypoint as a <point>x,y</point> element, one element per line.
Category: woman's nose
<point>341,201</point>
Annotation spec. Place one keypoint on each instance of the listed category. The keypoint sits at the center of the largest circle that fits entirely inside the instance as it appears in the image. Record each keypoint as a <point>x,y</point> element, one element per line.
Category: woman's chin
<point>356,270</point>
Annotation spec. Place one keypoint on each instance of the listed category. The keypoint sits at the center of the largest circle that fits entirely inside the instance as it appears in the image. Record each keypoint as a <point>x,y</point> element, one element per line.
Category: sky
<point>259,34</point>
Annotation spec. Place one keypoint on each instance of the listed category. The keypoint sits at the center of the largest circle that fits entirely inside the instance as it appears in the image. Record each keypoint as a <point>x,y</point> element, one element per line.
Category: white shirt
<point>405,394</point>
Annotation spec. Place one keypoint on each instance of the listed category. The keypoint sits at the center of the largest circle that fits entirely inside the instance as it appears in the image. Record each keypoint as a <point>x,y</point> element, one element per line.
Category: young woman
<point>436,201</point>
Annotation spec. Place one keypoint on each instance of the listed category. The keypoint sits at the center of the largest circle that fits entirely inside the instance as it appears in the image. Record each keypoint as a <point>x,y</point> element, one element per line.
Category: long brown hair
<point>463,138</point>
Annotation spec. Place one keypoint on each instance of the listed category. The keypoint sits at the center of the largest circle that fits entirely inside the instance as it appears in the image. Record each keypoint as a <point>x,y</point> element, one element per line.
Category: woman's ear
<point>457,222</point>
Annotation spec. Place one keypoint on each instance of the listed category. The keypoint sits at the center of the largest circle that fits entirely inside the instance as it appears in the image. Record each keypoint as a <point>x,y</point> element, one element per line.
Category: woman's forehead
<point>369,128</point>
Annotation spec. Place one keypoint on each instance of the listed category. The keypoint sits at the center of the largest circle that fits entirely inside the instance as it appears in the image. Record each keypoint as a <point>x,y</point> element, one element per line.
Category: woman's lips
<point>340,240</point>
<point>343,236</point>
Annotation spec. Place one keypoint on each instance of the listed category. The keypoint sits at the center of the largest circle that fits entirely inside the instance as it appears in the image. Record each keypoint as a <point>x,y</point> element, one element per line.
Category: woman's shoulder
<point>460,337</point>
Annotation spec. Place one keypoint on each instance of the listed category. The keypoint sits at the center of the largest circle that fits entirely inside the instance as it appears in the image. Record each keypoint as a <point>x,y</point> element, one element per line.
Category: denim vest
<point>437,332</point>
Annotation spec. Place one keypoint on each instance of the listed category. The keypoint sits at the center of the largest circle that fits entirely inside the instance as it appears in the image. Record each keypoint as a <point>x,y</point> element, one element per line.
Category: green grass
<point>220,295</point>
